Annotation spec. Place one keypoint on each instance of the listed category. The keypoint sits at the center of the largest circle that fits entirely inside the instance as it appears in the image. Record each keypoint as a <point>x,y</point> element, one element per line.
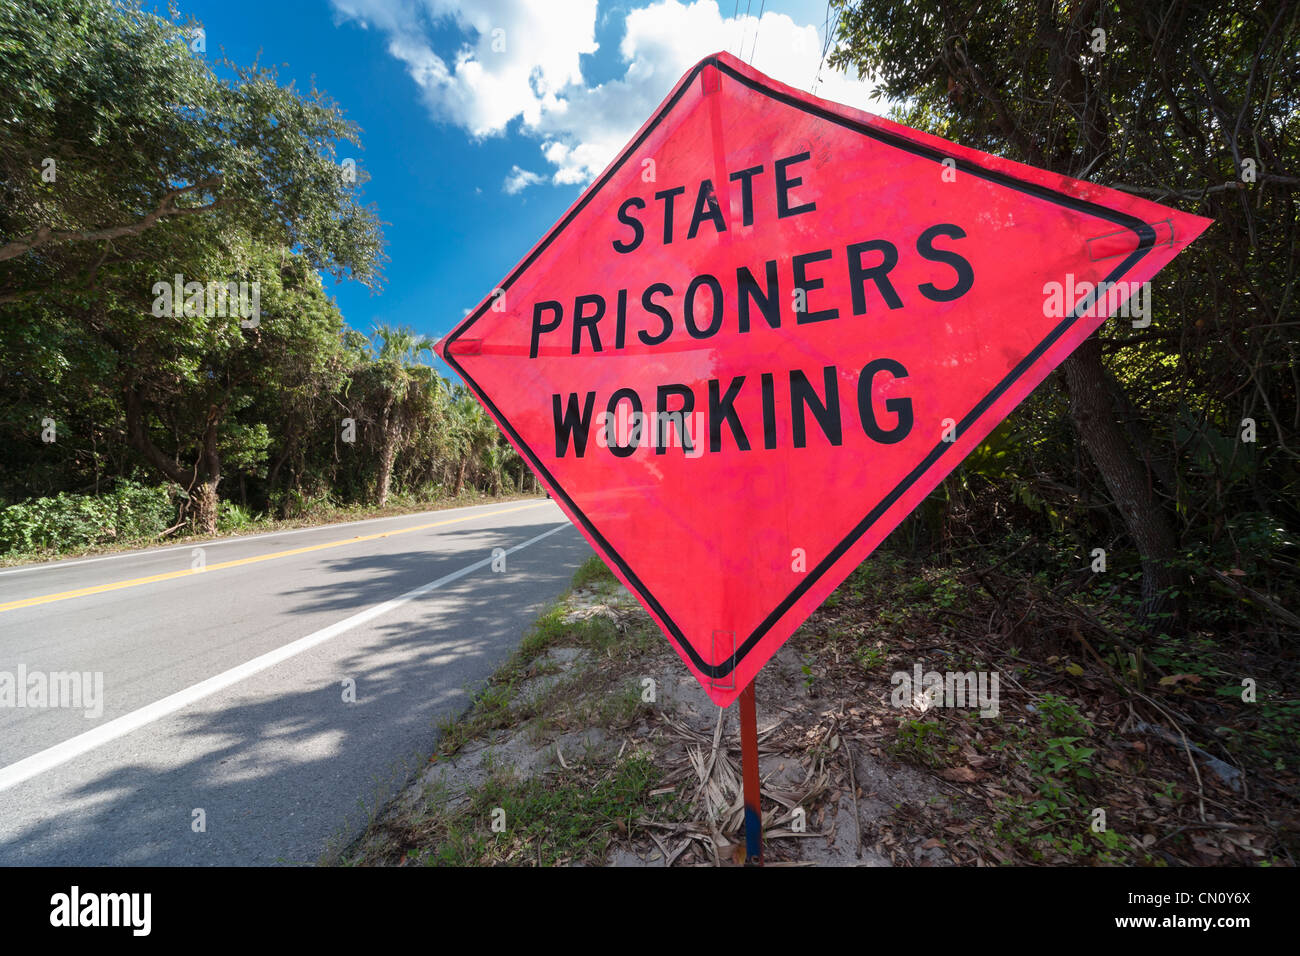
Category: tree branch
<point>139,440</point>
<point>166,208</point>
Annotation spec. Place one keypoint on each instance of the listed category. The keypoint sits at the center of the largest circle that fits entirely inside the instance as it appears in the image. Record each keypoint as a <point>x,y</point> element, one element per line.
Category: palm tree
<point>399,373</point>
<point>474,433</point>
<point>495,456</point>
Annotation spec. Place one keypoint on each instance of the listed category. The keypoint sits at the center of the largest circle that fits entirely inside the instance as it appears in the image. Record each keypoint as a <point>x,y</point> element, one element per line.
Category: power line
<point>757,25</point>
<point>744,30</point>
<point>826,45</point>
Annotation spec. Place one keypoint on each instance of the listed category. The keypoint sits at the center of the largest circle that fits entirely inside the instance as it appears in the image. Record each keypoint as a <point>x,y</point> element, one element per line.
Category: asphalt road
<point>227,691</point>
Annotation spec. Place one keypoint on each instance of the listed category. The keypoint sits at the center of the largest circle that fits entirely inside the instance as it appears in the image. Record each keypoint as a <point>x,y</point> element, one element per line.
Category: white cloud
<point>513,59</point>
<point>520,60</point>
<point>519,180</point>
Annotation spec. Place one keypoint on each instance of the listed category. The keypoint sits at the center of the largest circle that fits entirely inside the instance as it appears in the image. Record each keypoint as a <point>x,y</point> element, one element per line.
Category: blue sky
<point>483,121</point>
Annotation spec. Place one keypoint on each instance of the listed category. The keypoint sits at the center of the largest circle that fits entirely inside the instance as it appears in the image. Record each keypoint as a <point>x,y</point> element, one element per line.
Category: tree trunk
<point>207,502</point>
<point>138,438</point>
<point>291,436</point>
<point>460,475</point>
<point>1128,482</point>
<point>387,455</point>
<point>199,481</point>
<point>206,505</point>
<point>390,426</point>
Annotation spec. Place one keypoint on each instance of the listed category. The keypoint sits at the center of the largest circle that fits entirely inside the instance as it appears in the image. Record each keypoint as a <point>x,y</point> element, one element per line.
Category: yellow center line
<point>136,582</point>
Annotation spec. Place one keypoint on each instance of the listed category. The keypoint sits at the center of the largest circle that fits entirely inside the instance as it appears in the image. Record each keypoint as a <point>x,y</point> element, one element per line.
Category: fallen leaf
<point>961,775</point>
<point>1180,678</point>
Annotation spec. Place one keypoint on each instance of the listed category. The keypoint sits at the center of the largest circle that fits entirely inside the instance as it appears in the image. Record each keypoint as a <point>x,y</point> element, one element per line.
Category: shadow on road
<point>278,775</point>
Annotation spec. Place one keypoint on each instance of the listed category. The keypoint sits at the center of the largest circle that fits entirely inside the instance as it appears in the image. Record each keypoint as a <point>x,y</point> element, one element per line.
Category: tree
<point>190,382</point>
<point>126,162</point>
<point>472,433</point>
<point>396,380</point>
<point>114,130</point>
<point>1168,100</point>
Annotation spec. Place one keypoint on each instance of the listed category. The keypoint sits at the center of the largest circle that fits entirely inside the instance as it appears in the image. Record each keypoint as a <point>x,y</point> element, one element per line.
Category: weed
<point>1061,717</point>
<point>869,658</point>
<point>549,629</point>
<point>924,742</point>
<point>546,821</point>
<point>809,678</point>
<point>592,572</point>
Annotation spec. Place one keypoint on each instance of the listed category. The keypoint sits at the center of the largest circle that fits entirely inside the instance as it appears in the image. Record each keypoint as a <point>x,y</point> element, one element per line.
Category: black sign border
<point>1146,240</point>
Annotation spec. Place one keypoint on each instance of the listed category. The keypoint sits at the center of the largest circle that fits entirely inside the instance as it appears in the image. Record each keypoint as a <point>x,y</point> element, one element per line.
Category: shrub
<point>72,522</point>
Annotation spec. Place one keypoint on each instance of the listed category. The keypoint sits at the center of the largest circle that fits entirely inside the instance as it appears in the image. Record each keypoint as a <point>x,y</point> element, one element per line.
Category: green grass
<point>614,710</point>
<point>547,821</point>
<point>593,572</point>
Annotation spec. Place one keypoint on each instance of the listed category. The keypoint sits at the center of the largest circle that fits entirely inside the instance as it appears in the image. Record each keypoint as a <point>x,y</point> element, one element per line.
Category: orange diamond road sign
<point>770,328</point>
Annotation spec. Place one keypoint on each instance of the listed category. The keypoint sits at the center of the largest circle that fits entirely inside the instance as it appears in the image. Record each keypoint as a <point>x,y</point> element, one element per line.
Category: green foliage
<point>1054,824</point>
<point>1267,732</point>
<point>809,678</point>
<point>869,658</point>
<point>233,517</point>
<point>64,522</point>
<point>923,742</point>
<point>1061,759</point>
<point>137,124</point>
<point>1061,716</point>
<point>1170,110</point>
<point>939,588</point>
<point>247,173</point>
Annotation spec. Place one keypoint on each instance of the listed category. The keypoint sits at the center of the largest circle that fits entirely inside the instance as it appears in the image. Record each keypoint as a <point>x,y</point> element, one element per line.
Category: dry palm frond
<point>711,773</point>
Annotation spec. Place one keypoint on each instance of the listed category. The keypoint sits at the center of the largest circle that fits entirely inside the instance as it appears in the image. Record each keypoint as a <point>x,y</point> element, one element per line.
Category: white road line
<point>235,539</point>
<point>73,747</point>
